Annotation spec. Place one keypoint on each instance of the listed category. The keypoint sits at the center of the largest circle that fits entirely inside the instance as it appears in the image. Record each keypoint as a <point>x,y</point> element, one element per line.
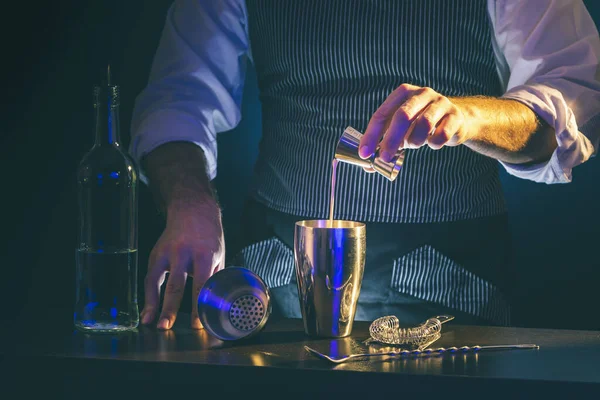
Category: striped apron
<point>325,64</point>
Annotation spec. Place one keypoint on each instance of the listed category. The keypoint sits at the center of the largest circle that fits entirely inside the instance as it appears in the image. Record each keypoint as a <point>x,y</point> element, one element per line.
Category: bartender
<point>463,85</point>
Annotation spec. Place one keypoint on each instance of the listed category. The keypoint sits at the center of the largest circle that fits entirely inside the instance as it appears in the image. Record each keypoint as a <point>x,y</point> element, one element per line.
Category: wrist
<point>201,205</point>
<point>472,121</point>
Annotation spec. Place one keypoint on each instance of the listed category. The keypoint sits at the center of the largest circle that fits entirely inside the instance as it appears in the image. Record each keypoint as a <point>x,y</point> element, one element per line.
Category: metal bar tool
<point>404,353</point>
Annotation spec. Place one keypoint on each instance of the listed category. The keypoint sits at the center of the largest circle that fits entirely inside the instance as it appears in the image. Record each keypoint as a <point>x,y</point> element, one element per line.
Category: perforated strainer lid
<point>246,312</point>
<point>234,304</point>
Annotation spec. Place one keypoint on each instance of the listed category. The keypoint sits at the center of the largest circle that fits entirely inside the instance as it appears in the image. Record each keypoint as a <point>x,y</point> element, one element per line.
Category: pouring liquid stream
<point>334,164</point>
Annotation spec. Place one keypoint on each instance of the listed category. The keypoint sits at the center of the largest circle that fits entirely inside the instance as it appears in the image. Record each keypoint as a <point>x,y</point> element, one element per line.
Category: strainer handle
<point>444,318</point>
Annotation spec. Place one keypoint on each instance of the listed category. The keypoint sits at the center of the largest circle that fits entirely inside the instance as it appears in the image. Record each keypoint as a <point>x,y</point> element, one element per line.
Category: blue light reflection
<point>337,249</point>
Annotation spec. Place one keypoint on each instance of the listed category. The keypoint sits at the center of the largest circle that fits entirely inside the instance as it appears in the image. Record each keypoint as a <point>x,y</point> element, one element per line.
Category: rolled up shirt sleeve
<point>195,86</point>
<point>551,52</point>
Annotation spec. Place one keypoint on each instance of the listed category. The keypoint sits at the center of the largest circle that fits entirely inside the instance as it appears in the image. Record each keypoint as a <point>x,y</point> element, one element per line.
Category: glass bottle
<point>107,246</point>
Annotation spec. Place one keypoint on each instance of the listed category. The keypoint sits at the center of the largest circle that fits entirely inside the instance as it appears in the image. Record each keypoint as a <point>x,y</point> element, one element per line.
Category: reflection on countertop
<point>564,354</point>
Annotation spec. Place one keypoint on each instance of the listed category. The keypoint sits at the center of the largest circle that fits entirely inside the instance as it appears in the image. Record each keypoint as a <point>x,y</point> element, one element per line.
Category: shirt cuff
<point>546,172</point>
<point>573,147</point>
<point>164,126</point>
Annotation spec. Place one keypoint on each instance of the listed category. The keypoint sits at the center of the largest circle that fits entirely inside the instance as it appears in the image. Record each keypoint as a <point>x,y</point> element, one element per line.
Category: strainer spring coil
<point>387,330</point>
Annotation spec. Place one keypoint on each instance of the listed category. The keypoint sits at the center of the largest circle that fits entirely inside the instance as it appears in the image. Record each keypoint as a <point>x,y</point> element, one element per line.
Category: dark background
<point>54,52</point>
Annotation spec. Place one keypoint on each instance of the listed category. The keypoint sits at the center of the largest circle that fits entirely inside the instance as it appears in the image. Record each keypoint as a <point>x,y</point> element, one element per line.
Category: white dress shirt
<point>547,53</point>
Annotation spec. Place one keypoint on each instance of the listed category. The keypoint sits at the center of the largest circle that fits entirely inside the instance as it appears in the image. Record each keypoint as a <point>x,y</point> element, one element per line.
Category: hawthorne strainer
<point>387,330</point>
<point>234,304</point>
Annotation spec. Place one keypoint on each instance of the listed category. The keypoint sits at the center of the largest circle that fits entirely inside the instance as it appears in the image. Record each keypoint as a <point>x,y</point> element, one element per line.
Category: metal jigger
<point>330,261</point>
<point>347,151</point>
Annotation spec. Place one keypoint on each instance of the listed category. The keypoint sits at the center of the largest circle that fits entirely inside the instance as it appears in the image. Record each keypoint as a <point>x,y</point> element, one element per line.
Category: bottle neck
<point>106,104</point>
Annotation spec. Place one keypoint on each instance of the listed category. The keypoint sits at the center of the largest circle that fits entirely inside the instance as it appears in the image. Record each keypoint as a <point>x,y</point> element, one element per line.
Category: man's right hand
<point>191,245</point>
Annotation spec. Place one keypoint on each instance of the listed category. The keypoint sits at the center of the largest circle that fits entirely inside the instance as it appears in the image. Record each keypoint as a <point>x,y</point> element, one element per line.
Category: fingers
<point>447,133</point>
<point>411,117</point>
<point>157,267</point>
<point>380,120</point>
<point>424,126</point>
<point>203,269</point>
<point>174,290</point>
<point>369,170</point>
<point>195,318</point>
<point>403,122</point>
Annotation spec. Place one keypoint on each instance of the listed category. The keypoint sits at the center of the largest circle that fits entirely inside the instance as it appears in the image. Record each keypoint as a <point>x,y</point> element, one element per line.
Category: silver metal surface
<point>404,353</point>
<point>347,151</point>
<point>234,304</point>
<point>329,259</point>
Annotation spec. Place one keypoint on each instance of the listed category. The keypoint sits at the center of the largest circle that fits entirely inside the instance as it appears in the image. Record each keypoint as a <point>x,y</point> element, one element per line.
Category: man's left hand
<point>412,117</point>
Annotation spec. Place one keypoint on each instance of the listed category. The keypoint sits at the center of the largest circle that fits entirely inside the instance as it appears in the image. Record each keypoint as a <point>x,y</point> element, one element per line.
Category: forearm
<point>506,130</point>
<point>177,177</point>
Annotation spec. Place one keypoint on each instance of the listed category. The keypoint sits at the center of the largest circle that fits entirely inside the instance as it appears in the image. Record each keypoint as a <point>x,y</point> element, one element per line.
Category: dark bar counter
<point>50,358</point>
